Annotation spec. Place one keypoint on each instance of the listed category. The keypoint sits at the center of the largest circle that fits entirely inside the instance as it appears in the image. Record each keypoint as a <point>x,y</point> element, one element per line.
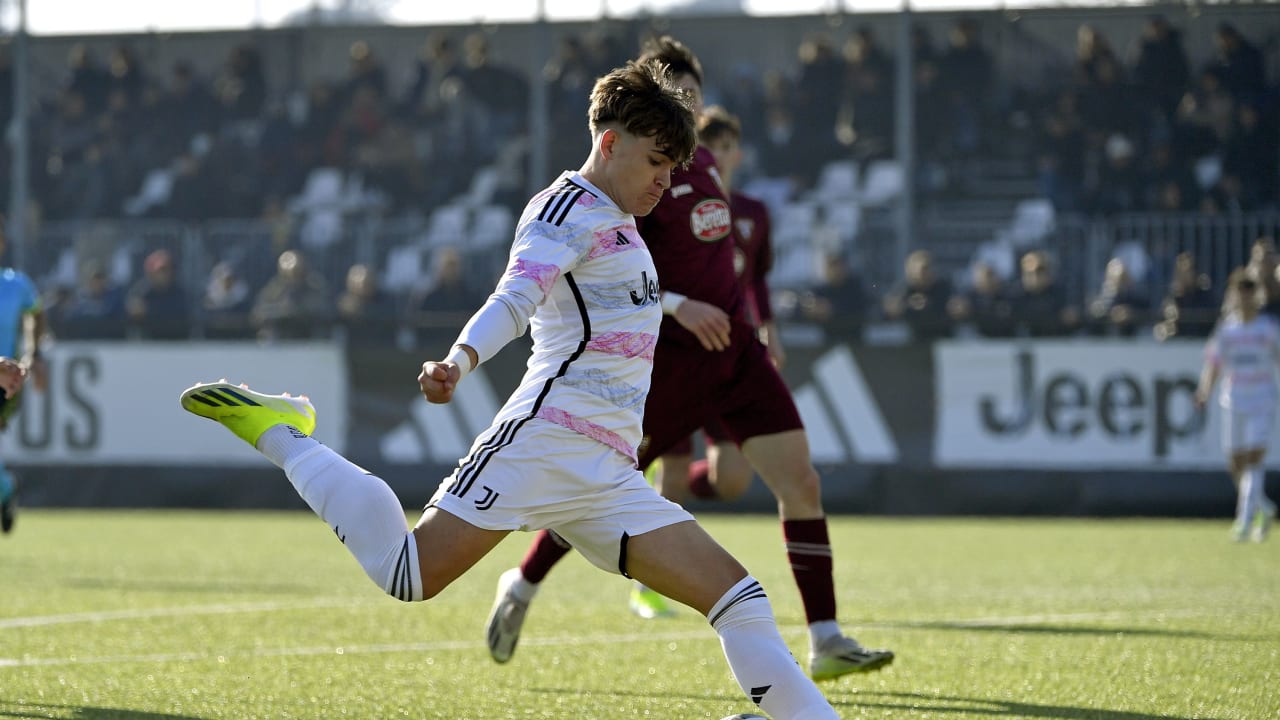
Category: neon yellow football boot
<point>649,604</point>
<point>246,413</point>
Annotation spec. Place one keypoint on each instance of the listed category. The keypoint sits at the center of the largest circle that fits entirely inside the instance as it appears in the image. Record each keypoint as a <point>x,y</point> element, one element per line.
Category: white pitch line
<point>444,645</point>
<point>180,611</point>
<point>1014,620</point>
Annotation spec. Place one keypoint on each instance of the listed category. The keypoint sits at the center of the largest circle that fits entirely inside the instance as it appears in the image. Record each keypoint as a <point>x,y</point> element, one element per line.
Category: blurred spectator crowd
<point>1034,304</point>
<point>1152,131</point>
<point>1156,132</point>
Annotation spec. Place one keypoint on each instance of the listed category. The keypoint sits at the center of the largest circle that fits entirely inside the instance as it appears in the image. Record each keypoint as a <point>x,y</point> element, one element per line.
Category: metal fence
<point>1149,242</point>
<point>1079,248</point>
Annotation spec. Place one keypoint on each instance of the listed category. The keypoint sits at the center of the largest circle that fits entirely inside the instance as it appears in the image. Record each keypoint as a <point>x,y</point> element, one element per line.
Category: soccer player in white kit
<point>561,453</point>
<point>1244,352</point>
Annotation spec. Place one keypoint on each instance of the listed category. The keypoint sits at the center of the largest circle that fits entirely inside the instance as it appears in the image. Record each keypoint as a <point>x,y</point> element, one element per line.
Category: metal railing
<point>1079,248</point>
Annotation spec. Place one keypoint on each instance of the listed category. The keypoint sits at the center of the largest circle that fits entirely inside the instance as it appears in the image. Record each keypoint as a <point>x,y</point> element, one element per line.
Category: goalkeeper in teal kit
<point>21,328</point>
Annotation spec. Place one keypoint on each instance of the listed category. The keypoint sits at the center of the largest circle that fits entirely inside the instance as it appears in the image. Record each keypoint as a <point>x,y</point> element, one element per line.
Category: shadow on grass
<point>712,695</point>
<point>950,704</point>
<point>916,703</point>
<point>1032,629</point>
<point>9,709</point>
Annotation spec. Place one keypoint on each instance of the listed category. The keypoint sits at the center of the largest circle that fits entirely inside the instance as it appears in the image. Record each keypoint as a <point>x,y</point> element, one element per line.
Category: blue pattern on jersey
<point>17,297</point>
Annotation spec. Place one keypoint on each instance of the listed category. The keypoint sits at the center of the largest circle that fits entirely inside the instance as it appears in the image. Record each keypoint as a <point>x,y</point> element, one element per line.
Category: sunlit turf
<point>165,615</point>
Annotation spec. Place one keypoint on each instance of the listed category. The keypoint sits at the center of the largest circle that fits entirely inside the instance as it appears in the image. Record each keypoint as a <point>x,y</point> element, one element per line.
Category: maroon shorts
<point>692,388</point>
<point>713,433</point>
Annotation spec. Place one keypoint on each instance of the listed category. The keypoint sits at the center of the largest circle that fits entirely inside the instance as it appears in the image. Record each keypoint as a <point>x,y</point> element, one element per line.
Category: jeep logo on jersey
<point>710,220</point>
<point>648,290</point>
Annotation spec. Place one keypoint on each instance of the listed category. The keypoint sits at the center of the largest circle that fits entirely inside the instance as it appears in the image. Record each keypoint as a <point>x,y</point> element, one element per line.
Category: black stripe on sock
<point>750,592</point>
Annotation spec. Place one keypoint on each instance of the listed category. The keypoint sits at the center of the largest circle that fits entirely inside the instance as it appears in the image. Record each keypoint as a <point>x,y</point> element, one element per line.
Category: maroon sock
<point>809,551</point>
<point>544,553</point>
<point>700,481</point>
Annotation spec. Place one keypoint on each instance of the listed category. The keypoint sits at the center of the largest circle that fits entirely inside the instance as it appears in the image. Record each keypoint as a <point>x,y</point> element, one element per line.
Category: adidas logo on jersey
<point>622,239</point>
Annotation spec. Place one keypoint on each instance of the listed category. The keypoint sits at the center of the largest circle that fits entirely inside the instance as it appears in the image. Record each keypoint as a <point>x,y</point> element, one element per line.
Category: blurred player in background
<point>1244,353</point>
<point>709,363</point>
<point>562,451</point>
<point>724,474</point>
<point>21,331</point>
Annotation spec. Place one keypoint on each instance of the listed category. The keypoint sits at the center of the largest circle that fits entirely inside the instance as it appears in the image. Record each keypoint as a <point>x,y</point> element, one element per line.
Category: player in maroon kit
<point>709,363</point>
<point>724,474</point>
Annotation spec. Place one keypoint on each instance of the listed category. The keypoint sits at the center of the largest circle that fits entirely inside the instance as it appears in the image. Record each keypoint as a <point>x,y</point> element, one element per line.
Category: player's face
<point>727,151</point>
<point>689,84</point>
<point>638,173</point>
<point>1247,294</point>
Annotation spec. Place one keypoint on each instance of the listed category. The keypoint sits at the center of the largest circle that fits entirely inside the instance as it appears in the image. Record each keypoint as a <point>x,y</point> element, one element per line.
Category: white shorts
<point>1245,430</point>
<point>536,475</point>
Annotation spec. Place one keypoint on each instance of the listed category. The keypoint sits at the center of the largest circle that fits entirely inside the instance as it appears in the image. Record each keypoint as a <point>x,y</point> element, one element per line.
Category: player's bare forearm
<point>33,329</point>
<point>1208,376</point>
<point>707,322</point>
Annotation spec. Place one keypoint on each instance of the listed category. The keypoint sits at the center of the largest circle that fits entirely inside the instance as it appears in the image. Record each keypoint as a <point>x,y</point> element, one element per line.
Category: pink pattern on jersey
<point>544,275</point>
<point>586,427</point>
<point>625,344</point>
<point>612,241</point>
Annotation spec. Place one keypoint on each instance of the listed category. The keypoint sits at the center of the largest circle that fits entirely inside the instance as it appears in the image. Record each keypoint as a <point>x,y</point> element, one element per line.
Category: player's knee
<point>429,592</point>
<point>804,483</point>
<point>730,487</point>
<point>432,586</point>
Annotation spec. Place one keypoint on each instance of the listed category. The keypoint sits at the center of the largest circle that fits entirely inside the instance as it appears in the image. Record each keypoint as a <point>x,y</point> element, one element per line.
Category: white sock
<point>363,512</point>
<point>1245,499</point>
<point>760,660</point>
<point>1260,488</point>
<point>1257,489</point>
<point>282,444</point>
<point>523,589</point>
<point>822,631</point>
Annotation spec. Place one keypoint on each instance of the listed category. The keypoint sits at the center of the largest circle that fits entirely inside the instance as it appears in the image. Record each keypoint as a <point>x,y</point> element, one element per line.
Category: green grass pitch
<point>172,616</point>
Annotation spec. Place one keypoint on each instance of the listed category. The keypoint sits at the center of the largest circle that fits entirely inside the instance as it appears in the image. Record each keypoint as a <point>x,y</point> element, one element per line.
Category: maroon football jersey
<point>691,237</point>
<point>754,258</point>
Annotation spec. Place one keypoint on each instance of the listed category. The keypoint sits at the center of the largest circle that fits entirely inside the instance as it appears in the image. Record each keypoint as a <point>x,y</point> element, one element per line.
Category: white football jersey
<point>1246,356</point>
<point>580,273</point>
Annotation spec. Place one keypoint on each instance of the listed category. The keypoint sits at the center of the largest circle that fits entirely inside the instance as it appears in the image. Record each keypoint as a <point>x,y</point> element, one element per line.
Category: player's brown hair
<point>715,123</point>
<point>677,56</point>
<point>1238,281</point>
<point>641,98</point>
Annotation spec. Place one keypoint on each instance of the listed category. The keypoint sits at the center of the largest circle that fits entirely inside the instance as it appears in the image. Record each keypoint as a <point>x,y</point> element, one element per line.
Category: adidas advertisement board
<point>117,403</point>
<point>840,397</point>
<point>1074,404</point>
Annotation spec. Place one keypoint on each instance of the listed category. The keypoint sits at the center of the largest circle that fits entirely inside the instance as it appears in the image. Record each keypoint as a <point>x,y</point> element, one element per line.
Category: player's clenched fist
<point>438,380</point>
<point>12,374</point>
